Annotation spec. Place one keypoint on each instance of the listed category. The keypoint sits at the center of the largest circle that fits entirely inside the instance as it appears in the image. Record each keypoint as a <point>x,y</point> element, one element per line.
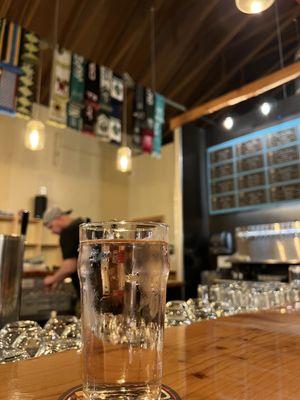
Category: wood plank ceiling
<point>204,48</point>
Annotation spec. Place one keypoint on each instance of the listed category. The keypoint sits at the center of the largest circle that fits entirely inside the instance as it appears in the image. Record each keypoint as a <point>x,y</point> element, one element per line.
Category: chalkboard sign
<point>255,170</point>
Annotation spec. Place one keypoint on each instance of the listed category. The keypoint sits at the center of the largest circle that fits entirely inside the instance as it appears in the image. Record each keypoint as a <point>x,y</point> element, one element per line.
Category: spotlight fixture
<point>265,108</point>
<point>253,6</point>
<point>228,123</point>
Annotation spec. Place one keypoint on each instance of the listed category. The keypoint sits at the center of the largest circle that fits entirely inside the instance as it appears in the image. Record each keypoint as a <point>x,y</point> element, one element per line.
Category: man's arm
<point>68,266</point>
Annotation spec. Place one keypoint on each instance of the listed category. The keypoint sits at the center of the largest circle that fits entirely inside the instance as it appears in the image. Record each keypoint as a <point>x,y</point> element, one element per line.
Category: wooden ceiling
<point>203,47</point>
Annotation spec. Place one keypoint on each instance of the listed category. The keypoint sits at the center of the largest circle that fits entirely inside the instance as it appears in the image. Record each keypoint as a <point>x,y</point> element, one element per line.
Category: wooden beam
<point>246,92</point>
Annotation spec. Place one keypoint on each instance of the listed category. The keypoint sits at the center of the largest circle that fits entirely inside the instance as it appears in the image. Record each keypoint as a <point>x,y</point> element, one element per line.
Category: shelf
<point>31,244</point>
<point>11,218</point>
<point>50,244</point>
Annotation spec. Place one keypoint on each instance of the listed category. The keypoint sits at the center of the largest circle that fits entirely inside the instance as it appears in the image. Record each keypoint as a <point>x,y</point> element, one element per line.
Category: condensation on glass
<point>123,269</point>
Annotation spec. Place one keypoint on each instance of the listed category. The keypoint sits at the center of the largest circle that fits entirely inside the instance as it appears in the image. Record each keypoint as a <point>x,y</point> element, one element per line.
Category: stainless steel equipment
<point>11,267</point>
<point>268,243</point>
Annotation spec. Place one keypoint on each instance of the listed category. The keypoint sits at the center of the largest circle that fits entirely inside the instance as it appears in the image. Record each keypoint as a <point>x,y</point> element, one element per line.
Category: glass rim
<point>139,224</point>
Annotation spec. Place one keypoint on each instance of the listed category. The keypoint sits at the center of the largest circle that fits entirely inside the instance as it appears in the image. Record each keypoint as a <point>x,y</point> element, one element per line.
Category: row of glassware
<point>229,298</point>
<point>26,339</point>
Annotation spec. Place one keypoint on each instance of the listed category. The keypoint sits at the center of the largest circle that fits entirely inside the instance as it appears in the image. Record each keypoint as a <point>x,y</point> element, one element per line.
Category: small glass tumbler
<point>123,269</point>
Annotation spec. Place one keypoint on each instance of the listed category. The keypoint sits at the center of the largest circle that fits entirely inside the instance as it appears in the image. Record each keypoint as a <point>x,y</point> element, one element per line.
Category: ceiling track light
<point>228,123</point>
<point>265,108</point>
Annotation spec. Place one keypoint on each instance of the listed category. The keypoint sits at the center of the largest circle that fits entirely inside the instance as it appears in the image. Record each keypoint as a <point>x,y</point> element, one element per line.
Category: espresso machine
<point>11,269</point>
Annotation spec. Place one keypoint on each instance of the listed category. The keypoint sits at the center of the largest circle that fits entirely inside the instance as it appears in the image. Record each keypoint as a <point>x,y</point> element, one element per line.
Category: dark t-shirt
<point>69,243</point>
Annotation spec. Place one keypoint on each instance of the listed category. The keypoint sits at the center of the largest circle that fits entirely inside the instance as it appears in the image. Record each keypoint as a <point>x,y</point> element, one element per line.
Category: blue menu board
<point>255,170</point>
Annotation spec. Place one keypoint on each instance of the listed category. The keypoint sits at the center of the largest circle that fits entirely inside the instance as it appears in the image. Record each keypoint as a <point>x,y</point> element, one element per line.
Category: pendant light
<point>253,6</point>
<point>35,129</point>
<point>124,153</point>
<point>35,135</point>
<point>124,159</point>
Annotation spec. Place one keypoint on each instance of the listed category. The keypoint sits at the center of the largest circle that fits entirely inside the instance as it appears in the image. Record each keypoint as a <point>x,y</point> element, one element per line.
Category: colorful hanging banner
<point>10,43</point>
<point>115,130</point>
<point>89,115</point>
<point>29,59</point>
<point>159,119</point>
<point>60,87</point>
<point>77,89</point>
<point>117,91</point>
<point>74,116</point>
<point>8,83</point>
<point>92,77</point>
<point>102,126</point>
<point>106,80</point>
<point>159,113</point>
<point>147,140</point>
<point>77,85</point>
<point>149,108</point>
<point>157,140</point>
<point>138,105</point>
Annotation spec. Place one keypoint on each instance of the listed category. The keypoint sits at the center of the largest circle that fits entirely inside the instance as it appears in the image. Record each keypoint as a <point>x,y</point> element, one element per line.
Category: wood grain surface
<point>245,357</point>
<point>253,89</point>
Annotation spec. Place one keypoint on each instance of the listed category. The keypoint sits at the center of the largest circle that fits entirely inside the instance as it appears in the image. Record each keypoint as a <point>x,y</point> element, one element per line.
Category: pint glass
<point>123,269</point>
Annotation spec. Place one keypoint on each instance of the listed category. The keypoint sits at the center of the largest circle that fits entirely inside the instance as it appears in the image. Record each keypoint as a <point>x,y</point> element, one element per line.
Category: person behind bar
<point>60,223</point>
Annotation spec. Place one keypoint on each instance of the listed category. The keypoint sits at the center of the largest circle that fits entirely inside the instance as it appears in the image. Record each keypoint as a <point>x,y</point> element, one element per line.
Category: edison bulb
<point>124,159</point>
<point>35,135</point>
<point>253,6</point>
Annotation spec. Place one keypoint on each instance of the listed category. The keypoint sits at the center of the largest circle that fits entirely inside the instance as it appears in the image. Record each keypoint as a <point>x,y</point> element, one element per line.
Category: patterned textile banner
<point>77,89</point>
<point>29,60</point>
<point>8,82</point>
<point>159,119</point>
<point>102,125</point>
<point>10,43</point>
<point>148,118</point>
<point>60,86</point>
<point>83,95</point>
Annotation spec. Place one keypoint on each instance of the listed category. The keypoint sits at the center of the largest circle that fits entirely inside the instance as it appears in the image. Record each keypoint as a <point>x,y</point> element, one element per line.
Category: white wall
<point>151,187</point>
<point>78,170</point>
<point>80,173</point>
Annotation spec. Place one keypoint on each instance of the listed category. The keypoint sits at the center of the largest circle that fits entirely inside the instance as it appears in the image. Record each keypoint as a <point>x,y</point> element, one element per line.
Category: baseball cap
<point>54,212</point>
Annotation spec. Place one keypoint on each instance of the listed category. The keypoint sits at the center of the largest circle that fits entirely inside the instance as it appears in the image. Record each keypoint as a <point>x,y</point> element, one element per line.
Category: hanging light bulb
<point>124,159</point>
<point>253,6</point>
<point>35,135</point>
<point>35,129</point>
<point>124,153</point>
<point>228,123</point>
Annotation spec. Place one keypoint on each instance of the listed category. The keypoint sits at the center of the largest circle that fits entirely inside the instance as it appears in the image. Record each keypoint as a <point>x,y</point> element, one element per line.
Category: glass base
<point>123,392</point>
<point>77,393</point>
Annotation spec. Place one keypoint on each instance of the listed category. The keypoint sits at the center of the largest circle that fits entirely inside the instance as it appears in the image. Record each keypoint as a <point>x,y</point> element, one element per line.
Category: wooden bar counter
<point>245,357</point>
